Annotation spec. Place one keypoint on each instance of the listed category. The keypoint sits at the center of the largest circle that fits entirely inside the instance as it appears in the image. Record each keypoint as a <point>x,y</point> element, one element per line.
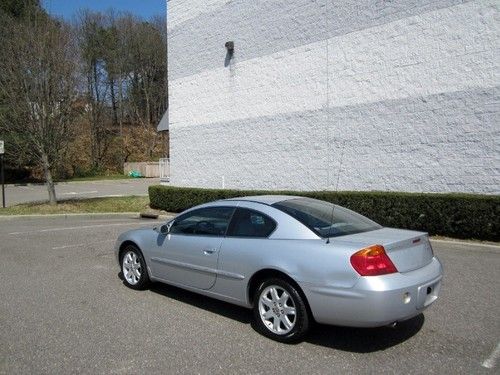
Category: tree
<point>92,36</point>
<point>103,79</point>
<point>38,86</point>
<point>125,63</point>
<point>10,11</point>
<point>145,66</point>
<point>19,8</point>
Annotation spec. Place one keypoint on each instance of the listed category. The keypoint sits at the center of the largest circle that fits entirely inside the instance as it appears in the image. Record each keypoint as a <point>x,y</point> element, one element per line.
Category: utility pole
<point>2,151</point>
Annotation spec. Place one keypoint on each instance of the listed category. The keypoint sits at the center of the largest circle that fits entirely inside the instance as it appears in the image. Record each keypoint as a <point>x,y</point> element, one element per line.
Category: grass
<point>91,205</point>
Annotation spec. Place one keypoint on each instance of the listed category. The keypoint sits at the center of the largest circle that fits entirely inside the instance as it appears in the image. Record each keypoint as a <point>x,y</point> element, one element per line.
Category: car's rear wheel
<point>135,274</point>
<point>280,311</point>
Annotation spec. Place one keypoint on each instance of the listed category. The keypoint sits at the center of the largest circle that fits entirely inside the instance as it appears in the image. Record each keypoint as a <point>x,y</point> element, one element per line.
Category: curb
<point>465,243</point>
<point>135,215</point>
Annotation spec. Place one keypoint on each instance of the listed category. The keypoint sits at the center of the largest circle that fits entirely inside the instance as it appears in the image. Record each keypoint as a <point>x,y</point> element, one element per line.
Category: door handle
<point>209,251</point>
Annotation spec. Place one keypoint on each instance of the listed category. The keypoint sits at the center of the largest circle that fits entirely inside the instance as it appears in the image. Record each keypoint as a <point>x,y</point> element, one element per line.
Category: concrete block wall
<point>322,94</point>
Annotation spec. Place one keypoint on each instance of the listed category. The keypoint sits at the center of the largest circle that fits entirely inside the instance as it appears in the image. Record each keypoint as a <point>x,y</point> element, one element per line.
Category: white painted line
<point>76,228</point>
<point>79,192</point>
<point>80,244</point>
<point>491,361</point>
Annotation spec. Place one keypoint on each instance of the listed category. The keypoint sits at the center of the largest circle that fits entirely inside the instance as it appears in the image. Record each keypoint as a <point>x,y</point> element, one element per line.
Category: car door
<point>188,254</point>
<point>243,250</point>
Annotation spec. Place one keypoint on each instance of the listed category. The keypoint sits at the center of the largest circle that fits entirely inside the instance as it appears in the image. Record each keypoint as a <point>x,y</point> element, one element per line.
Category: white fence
<point>164,165</point>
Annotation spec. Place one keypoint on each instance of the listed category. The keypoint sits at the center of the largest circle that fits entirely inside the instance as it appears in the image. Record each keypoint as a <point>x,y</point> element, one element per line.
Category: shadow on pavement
<point>364,340</point>
<point>358,340</point>
<point>228,310</point>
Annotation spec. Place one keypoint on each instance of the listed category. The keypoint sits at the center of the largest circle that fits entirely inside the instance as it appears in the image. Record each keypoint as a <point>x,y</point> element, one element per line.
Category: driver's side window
<point>209,221</point>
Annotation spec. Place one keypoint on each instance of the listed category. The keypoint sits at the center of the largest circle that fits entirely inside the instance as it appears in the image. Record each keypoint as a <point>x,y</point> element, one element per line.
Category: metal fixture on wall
<point>230,51</point>
<point>230,47</point>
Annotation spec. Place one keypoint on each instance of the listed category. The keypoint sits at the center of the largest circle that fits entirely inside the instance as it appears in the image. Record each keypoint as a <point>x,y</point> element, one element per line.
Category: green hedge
<point>453,215</point>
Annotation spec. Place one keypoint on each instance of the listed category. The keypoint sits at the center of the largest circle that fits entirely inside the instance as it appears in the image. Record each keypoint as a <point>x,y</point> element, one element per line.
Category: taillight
<point>372,261</point>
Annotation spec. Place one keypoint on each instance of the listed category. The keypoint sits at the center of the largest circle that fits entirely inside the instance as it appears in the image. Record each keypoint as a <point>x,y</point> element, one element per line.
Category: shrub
<point>454,215</point>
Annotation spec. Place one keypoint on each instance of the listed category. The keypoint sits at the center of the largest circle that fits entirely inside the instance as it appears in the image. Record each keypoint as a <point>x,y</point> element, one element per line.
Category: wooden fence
<point>146,169</point>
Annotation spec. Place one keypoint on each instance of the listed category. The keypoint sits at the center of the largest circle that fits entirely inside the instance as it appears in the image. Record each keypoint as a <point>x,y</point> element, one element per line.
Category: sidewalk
<point>26,193</point>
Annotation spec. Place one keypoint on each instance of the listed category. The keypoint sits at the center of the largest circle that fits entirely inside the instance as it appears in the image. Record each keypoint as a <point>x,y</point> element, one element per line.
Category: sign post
<point>2,179</point>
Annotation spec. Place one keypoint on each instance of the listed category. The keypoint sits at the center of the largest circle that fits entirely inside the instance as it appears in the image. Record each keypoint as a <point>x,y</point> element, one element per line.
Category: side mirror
<point>165,228</point>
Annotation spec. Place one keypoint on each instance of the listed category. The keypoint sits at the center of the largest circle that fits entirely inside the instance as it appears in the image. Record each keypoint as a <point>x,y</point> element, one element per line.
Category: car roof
<point>265,199</point>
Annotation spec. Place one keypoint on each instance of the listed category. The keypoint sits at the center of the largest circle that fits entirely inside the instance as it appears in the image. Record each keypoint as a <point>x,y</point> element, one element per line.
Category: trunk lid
<point>408,250</point>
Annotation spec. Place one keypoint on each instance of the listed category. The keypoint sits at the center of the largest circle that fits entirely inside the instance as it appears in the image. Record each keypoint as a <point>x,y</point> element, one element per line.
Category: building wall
<point>327,94</point>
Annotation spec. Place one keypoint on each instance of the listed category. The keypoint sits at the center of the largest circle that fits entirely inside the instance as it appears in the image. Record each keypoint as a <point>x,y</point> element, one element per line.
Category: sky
<point>141,8</point>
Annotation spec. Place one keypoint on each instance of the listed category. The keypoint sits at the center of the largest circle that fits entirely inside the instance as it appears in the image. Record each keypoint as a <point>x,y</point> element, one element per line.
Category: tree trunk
<point>120,108</point>
<point>92,119</point>
<point>113,101</point>
<point>48,178</point>
<point>97,118</point>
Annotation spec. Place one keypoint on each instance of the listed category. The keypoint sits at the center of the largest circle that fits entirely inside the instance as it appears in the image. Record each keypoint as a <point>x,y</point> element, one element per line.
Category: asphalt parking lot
<point>65,310</point>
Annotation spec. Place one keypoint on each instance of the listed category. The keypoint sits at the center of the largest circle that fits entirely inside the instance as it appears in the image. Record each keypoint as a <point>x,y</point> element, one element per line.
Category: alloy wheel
<point>277,310</point>
<point>131,268</point>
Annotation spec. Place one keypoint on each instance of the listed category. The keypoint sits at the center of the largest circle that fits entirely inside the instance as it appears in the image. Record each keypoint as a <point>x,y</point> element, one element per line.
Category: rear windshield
<point>326,219</point>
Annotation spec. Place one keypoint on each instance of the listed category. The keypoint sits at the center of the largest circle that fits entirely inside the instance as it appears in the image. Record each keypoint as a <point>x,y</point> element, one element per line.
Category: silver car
<point>293,260</point>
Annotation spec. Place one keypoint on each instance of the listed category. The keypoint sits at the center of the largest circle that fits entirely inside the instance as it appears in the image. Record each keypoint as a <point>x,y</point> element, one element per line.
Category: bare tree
<point>145,62</point>
<point>38,86</point>
<point>92,32</point>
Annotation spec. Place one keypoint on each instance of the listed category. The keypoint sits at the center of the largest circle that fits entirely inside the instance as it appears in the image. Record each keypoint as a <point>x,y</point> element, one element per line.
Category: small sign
<point>2,151</point>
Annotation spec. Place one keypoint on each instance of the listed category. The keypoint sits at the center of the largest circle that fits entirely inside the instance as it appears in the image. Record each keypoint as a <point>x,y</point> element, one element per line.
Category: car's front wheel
<point>280,311</point>
<point>134,270</point>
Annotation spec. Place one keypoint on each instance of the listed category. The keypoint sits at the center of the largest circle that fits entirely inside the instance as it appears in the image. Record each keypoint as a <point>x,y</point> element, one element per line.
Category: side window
<point>209,221</point>
<point>250,223</point>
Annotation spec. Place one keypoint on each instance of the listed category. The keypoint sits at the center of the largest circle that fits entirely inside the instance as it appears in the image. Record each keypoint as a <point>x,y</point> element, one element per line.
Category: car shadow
<point>356,340</point>
<point>364,340</point>
<point>228,310</point>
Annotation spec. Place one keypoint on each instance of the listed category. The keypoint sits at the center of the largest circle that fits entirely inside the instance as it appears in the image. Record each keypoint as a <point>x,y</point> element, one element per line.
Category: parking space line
<point>492,359</point>
<point>81,244</point>
<point>80,227</point>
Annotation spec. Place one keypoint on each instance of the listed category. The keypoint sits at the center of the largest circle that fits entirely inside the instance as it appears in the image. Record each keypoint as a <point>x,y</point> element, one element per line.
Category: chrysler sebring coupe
<point>293,260</point>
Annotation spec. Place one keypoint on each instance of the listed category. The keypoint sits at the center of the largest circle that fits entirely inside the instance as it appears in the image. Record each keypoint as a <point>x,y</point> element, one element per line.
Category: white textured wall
<point>184,10</point>
<point>409,103</point>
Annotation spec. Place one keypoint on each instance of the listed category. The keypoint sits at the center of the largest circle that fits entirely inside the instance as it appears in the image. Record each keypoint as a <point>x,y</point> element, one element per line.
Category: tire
<point>270,307</point>
<point>134,269</point>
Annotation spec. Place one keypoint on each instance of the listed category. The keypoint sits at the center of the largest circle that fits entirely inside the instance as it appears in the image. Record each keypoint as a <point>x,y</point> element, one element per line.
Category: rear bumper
<point>378,300</point>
